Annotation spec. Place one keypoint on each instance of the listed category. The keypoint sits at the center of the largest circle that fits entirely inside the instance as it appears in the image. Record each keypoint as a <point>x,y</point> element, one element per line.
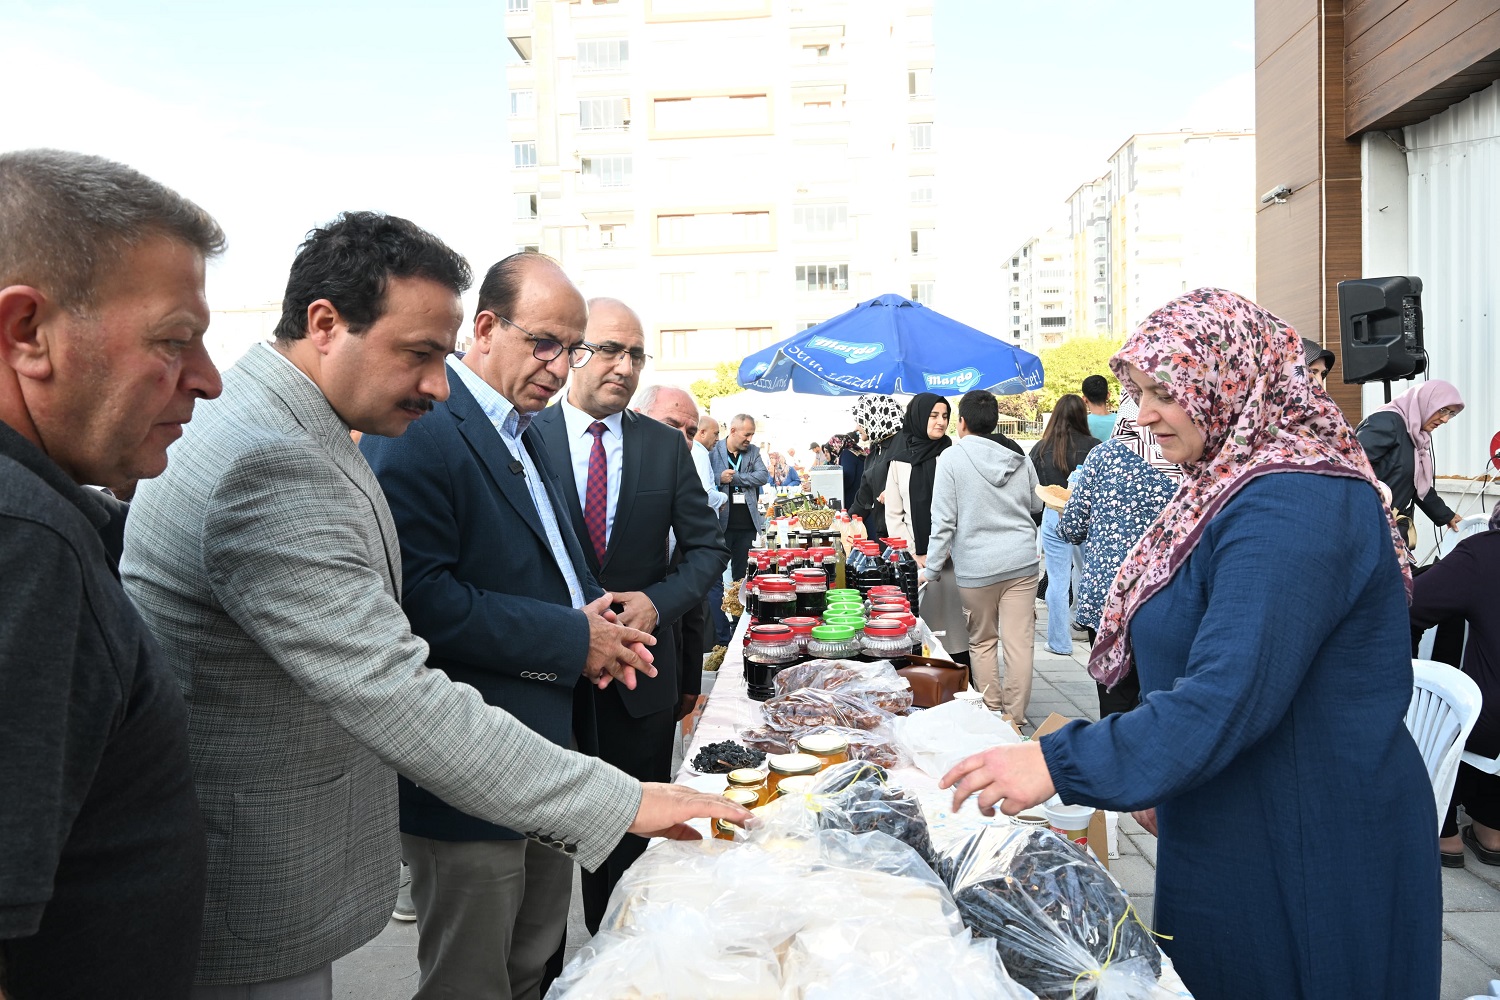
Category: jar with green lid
<point>843,594</point>
<point>833,642</point>
<point>796,785</point>
<point>781,766</point>
<point>856,622</point>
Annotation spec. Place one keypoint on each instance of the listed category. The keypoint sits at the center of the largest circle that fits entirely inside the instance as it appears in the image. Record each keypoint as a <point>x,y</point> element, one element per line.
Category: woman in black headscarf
<point>908,512</point>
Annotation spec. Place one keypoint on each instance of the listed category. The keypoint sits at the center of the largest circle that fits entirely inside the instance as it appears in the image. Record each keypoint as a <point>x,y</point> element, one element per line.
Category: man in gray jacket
<point>992,548</point>
<point>267,564</point>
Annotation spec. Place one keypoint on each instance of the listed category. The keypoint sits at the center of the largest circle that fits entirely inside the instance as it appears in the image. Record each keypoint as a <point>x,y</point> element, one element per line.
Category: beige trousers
<point>1003,612</point>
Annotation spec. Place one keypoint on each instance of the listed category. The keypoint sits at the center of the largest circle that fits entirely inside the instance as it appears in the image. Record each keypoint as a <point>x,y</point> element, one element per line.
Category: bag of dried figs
<point>1064,928</point>
<point>861,797</point>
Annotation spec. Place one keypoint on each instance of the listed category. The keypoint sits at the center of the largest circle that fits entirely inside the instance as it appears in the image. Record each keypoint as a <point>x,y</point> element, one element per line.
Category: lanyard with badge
<point>734,463</point>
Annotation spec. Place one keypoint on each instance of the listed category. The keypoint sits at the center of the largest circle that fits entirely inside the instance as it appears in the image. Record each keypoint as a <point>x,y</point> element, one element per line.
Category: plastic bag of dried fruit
<point>876,683</point>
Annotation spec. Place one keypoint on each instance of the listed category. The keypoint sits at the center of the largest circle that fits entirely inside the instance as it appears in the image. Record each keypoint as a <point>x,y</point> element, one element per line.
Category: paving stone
<point>1135,876</point>
<point>1465,891</point>
<point>1464,973</point>
<point>1479,932</point>
<point>1145,844</point>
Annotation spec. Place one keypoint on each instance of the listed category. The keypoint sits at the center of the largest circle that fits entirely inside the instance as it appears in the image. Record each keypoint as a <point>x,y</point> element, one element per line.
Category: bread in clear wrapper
<point>1063,927</point>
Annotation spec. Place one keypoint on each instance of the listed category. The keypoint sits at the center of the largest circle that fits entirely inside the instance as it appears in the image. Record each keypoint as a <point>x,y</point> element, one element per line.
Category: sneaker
<point>405,911</point>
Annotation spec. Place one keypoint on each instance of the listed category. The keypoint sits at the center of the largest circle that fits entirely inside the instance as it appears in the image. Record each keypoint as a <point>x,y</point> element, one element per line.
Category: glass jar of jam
<point>751,780</point>
<point>888,608</point>
<point>830,748</point>
<point>885,639</point>
<point>775,599</point>
<point>801,631</point>
<point>770,648</point>
<point>743,797</point>
<point>748,596</point>
<point>797,785</point>
<point>725,830</point>
<point>812,591</point>
<point>833,642</point>
<point>780,766</point>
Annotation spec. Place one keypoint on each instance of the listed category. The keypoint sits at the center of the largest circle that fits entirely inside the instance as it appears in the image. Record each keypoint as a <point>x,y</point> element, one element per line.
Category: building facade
<point>1041,291</point>
<point>1088,222</point>
<point>735,170</point>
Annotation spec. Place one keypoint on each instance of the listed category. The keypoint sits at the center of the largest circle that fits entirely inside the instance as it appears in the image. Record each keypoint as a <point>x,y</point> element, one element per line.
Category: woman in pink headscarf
<point>1296,851</point>
<point>1398,440</point>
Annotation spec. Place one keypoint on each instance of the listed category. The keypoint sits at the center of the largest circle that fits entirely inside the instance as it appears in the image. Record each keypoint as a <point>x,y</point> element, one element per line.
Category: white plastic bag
<point>937,738</point>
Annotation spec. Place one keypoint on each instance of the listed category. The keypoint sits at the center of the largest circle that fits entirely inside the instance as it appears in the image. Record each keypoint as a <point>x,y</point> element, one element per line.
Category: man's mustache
<point>424,405</point>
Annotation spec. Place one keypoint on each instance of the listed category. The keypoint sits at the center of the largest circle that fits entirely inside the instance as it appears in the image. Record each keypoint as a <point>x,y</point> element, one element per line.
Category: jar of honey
<point>725,830</point>
<point>781,766</point>
<point>746,797</point>
<point>829,748</point>
<point>749,779</point>
<point>798,785</point>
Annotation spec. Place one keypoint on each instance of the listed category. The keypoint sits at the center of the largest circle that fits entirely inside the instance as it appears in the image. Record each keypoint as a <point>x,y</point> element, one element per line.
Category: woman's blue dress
<point>1297,853</point>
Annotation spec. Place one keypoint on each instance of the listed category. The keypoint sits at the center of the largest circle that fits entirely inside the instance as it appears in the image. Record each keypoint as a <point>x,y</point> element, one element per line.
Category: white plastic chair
<point>1444,706</point>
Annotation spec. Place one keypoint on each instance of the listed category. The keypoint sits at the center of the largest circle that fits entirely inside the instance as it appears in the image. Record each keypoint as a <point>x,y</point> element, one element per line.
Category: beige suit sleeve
<point>287,555</point>
<point>897,501</point>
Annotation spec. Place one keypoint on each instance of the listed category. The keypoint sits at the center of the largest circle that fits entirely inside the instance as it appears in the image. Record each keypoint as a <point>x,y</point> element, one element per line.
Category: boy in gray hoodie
<point>991,545</point>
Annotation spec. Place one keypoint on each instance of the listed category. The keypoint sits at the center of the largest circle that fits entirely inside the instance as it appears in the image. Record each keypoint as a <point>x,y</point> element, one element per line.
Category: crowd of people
<point>385,604</point>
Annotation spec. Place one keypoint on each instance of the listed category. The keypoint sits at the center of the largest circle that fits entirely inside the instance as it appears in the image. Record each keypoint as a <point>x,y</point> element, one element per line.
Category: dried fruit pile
<point>721,758</point>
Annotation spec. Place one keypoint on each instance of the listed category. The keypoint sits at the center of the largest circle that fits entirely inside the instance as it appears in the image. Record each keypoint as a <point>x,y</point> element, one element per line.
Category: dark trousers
<point>739,541</point>
<point>1125,696</point>
<point>642,748</point>
<point>1479,794</point>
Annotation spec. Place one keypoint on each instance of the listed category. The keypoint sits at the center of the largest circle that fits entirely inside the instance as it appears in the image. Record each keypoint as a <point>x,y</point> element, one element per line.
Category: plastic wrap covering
<point>814,707</point>
<point>876,684</point>
<point>1063,927</point>
<point>861,798</point>
<point>790,912</point>
<point>878,746</point>
<point>938,738</point>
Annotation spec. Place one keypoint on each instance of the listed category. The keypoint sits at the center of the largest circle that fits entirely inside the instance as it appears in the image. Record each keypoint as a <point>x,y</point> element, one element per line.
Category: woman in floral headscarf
<point>1297,849</point>
<point>880,418</point>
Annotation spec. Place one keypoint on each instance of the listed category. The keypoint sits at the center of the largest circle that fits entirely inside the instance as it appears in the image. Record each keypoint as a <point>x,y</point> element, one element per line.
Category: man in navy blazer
<point>648,535</point>
<point>497,584</point>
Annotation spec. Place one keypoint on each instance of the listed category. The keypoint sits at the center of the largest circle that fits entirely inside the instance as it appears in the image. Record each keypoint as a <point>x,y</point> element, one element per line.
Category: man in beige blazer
<point>267,565</point>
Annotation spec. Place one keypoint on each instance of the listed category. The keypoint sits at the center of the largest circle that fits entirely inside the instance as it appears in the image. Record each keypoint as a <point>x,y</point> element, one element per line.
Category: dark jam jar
<point>770,647</point>
<point>812,591</point>
<point>748,597</point>
<point>775,599</point>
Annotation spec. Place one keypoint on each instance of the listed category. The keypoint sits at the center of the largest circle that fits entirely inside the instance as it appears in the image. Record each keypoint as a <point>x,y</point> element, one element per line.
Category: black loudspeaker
<point>1380,329</point>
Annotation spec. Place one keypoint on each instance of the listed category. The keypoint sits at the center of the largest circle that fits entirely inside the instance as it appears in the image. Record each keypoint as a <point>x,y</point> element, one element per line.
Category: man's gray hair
<point>66,217</point>
<point>739,420</point>
<point>648,398</point>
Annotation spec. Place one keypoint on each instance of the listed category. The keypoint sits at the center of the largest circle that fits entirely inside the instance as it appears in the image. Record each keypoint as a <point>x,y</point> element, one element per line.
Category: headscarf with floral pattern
<point>1232,366</point>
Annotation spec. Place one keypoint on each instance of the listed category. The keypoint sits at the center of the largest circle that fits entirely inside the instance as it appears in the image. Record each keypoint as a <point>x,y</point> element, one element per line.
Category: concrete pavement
<point>386,968</point>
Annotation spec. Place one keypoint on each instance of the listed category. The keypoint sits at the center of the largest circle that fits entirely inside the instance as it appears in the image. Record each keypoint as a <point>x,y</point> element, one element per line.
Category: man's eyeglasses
<point>610,352</point>
<point>547,349</point>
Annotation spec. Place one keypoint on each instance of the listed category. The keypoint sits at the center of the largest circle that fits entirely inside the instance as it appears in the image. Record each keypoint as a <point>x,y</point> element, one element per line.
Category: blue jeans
<point>1064,570</point>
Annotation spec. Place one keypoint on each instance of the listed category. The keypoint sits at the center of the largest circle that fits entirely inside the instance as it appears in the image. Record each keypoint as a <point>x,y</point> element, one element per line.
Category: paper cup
<point>1070,821</point>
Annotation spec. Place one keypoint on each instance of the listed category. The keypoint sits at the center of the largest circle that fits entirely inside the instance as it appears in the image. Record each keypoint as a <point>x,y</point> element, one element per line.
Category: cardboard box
<point>1098,832</point>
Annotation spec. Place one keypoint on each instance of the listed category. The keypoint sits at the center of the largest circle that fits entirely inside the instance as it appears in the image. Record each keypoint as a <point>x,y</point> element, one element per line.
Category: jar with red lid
<point>825,559</point>
<point>812,591</point>
<point>775,599</point>
<point>770,648</point>
<point>796,559</point>
<point>748,596</point>
<point>885,639</point>
<point>801,630</point>
<point>913,632</point>
<point>889,608</point>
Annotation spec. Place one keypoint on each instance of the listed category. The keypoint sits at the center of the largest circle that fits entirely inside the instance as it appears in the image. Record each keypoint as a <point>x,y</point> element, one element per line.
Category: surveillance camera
<point>1277,195</point>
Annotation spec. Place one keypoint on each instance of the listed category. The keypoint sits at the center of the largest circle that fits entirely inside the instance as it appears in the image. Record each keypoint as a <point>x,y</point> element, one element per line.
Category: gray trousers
<point>489,915</point>
<point>314,985</point>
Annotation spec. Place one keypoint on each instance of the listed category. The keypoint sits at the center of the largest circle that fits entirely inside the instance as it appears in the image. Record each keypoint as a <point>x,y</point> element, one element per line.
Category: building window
<point>821,220</point>
<point>603,55</point>
<point>1015,305</point>
<point>1053,321</point>
<point>922,241</point>
<point>675,285</point>
<point>807,324</point>
<point>612,234</point>
<point>522,103</point>
<point>602,113</point>
<point>752,284</point>
<point>813,53</point>
<point>725,113</point>
<point>921,135</point>
<point>525,153</point>
<point>529,248</point>
<point>918,83</point>
<point>1015,275</point>
<point>1016,262</point>
<point>526,206</point>
<point>823,277</point>
<point>1015,321</point>
<point>714,229</point>
<point>921,190</point>
<point>605,171</point>
<point>517,6</point>
<point>921,291</point>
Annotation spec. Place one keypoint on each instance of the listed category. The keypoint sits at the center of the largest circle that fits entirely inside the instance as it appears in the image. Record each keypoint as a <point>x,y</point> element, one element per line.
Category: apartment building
<point>1088,222</point>
<point>736,170</point>
<point>1041,291</point>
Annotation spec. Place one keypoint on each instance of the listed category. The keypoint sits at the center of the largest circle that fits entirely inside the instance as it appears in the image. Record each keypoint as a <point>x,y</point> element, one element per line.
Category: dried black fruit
<point>721,758</point>
<point>857,796</point>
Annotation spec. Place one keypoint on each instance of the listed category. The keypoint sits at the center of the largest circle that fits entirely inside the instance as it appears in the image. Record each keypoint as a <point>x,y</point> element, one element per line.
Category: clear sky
<point>275,115</point>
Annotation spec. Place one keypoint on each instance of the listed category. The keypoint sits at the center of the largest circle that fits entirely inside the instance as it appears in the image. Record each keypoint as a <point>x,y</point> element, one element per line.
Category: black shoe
<point>1481,852</point>
<point>1455,860</point>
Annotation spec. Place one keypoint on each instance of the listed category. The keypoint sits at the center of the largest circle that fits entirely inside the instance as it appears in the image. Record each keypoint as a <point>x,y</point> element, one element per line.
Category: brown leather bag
<point>933,681</point>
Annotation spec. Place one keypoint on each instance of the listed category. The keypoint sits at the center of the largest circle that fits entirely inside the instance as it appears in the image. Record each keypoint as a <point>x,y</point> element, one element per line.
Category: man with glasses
<point>635,491</point>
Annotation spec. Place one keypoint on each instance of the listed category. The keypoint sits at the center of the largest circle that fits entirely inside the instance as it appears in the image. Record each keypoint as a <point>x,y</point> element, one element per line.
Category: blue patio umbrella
<point>891,344</point>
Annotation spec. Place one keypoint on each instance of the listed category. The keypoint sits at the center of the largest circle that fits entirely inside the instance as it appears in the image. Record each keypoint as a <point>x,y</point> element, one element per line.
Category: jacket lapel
<point>554,432</point>
<point>474,424</point>
<point>630,477</point>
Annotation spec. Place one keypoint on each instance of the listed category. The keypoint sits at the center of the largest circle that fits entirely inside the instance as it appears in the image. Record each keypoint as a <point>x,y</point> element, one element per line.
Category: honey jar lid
<point>727,827</point>
<point>746,776</point>
<point>822,743</point>
<point>746,797</point>
<point>798,785</point>
<point>793,763</point>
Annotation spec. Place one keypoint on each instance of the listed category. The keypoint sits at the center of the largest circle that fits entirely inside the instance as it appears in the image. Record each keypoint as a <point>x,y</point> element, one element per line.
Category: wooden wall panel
<point>1287,268</point>
<point>1286,114</point>
<point>1342,260</point>
<point>1276,21</point>
<point>1364,16</point>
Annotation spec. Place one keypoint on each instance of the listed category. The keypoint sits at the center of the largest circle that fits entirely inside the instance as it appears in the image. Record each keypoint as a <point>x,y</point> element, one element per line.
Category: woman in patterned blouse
<point>1116,493</point>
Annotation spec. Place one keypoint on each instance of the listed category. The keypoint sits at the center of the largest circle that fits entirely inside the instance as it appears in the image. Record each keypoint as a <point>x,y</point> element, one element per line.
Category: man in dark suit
<point>636,489</point>
<point>497,584</point>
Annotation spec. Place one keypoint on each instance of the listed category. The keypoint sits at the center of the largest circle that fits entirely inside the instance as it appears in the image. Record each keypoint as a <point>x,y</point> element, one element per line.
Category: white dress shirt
<point>716,497</point>
<point>581,446</point>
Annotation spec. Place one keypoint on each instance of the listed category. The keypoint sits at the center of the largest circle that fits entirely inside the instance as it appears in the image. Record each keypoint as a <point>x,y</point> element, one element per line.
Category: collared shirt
<point>581,446</point>
<point>716,499</point>
<point>288,362</point>
<point>510,424</point>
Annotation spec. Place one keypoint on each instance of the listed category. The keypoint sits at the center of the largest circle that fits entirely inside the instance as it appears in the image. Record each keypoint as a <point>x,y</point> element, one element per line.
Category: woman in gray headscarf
<point>879,418</point>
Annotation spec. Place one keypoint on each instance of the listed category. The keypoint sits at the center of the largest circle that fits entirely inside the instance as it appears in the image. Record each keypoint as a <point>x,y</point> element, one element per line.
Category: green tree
<point>1022,406</point>
<point>1072,361</point>
<point>724,383</point>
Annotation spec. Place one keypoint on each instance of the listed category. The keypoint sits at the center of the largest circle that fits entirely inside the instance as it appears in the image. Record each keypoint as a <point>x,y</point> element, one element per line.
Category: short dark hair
<point>501,286</point>
<point>64,216</point>
<point>980,411</point>
<point>350,262</point>
<point>1096,389</point>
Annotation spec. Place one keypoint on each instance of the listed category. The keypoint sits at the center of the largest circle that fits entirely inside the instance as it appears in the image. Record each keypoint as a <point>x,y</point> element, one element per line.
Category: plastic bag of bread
<point>876,683</point>
<point>788,911</point>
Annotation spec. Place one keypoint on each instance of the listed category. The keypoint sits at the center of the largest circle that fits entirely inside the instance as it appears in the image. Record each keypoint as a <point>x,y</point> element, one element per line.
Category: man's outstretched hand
<point>665,810</point>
